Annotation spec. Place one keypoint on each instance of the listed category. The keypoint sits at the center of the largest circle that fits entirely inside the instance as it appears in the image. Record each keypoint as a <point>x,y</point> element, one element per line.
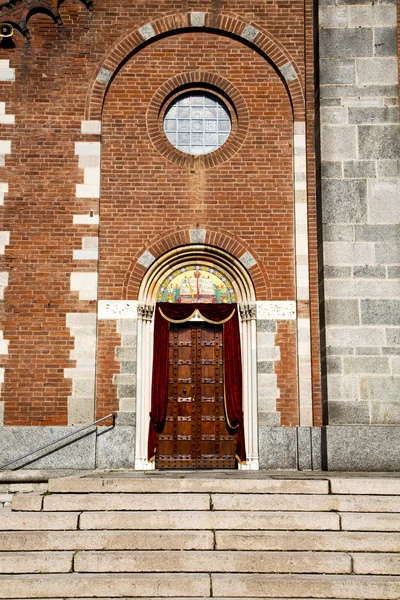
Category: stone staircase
<point>199,535</point>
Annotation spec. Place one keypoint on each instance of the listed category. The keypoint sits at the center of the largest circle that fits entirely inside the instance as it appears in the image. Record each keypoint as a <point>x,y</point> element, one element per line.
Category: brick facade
<point>95,197</point>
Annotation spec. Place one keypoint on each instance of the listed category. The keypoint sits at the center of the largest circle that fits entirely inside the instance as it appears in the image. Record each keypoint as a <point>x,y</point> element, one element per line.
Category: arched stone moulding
<point>245,295</point>
<point>253,35</point>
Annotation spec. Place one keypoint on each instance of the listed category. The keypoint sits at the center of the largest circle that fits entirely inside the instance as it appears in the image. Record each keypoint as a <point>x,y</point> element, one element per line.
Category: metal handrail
<point>58,440</point>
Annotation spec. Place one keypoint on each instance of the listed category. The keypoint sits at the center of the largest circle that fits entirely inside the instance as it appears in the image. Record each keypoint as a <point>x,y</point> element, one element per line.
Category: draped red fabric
<point>216,313</point>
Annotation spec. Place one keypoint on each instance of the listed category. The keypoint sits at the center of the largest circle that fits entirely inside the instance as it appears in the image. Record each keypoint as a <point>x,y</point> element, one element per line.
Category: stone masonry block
<point>359,169</point>
<point>385,41</point>
<point>362,289</point>
<point>378,142</point>
<point>344,201</point>
<point>346,42</point>
<point>357,95</point>
<point>394,272</point>
<point>388,168</point>
<point>331,169</point>
<point>358,365</point>
<point>384,194</point>
<point>371,115</point>
<point>385,413</point>
<point>387,253</point>
<point>266,325</point>
<point>337,71</point>
<point>348,253</point>
<point>333,364</point>
<point>379,71</point>
<point>343,387</point>
<point>381,388</point>
<point>380,312</point>
<point>377,233</point>
<point>338,142</point>
<point>369,272</point>
<point>346,413</point>
<point>333,115</point>
<point>342,312</point>
<point>372,15</point>
<point>393,336</point>
<point>355,336</point>
<point>333,16</point>
<point>338,233</point>
<point>333,272</point>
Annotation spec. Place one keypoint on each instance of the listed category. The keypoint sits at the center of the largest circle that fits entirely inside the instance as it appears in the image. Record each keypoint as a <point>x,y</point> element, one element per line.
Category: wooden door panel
<point>195,434</point>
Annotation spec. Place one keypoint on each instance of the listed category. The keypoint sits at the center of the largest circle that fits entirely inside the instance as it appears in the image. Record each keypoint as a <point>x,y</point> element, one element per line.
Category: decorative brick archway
<point>213,237</point>
<point>253,35</point>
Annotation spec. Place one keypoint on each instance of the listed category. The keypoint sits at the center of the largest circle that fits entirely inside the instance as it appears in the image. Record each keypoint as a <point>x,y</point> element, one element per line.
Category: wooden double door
<point>196,435</point>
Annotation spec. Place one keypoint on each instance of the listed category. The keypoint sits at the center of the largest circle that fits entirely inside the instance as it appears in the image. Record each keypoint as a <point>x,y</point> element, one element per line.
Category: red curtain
<point>226,314</point>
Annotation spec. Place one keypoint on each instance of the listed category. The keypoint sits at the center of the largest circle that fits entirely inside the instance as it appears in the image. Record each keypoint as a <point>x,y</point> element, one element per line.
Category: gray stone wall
<point>360,153</point>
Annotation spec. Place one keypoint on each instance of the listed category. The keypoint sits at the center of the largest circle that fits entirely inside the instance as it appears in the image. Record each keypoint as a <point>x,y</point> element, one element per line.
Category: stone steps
<point>201,537</point>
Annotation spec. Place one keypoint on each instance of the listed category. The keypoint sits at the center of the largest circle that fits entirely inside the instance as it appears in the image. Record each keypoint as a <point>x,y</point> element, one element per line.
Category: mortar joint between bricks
<point>78,524</point>
<point>211,503</point>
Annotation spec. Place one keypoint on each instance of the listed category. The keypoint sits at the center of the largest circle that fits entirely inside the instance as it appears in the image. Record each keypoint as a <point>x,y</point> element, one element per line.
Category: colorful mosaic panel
<point>196,283</point>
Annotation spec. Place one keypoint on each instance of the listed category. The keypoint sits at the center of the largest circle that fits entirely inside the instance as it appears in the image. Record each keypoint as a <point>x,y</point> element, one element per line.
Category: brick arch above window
<point>257,38</point>
<point>202,238</point>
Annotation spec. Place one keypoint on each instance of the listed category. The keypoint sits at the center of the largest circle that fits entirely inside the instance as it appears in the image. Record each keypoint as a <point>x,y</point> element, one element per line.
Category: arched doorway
<point>192,274</point>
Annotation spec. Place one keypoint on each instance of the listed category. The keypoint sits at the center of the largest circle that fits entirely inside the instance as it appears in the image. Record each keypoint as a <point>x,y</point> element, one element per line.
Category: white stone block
<point>300,164</point>
<point>86,220</point>
<point>337,288</point>
<point>79,320</point>
<point>86,255</point>
<point>349,253</point>
<point>7,119</point>
<point>146,259</point>
<point>89,161</point>
<point>301,243</point>
<point>343,387</point>
<point>91,127</point>
<point>355,101</point>
<point>377,71</point>
<point>4,238</point>
<point>299,128</point>
<point>333,16</point>
<point>87,191</point>
<point>4,346</point>
<point>268,353</point>
<point>147,31</point>
<point>247,260</point>
<point>90,243</point>
<point>88,148</point>
<point>88,295</point>
<point>77,373</point>
<point>384,194</point>
<point>197,19</point>
<point>299,140</point>
<point>280,309</point>
<point>3,190</point>
<point>117,309</point>
<point>355,336</point>
<point>85,284</point>
<point>5,147</point>
<point>373,15</point>
<point>91,176</point>
<point>7,74</point>
<point>338,142</point>
<point>333,115</point>
<point>301,213</point>
<point>2,375</point>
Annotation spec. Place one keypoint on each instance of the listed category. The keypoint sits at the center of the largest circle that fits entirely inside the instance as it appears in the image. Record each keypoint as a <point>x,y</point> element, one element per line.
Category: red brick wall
<point>143,194</point>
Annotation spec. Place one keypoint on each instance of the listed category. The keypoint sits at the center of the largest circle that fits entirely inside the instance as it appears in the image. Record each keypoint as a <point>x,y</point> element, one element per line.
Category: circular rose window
<point>197,123</point>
